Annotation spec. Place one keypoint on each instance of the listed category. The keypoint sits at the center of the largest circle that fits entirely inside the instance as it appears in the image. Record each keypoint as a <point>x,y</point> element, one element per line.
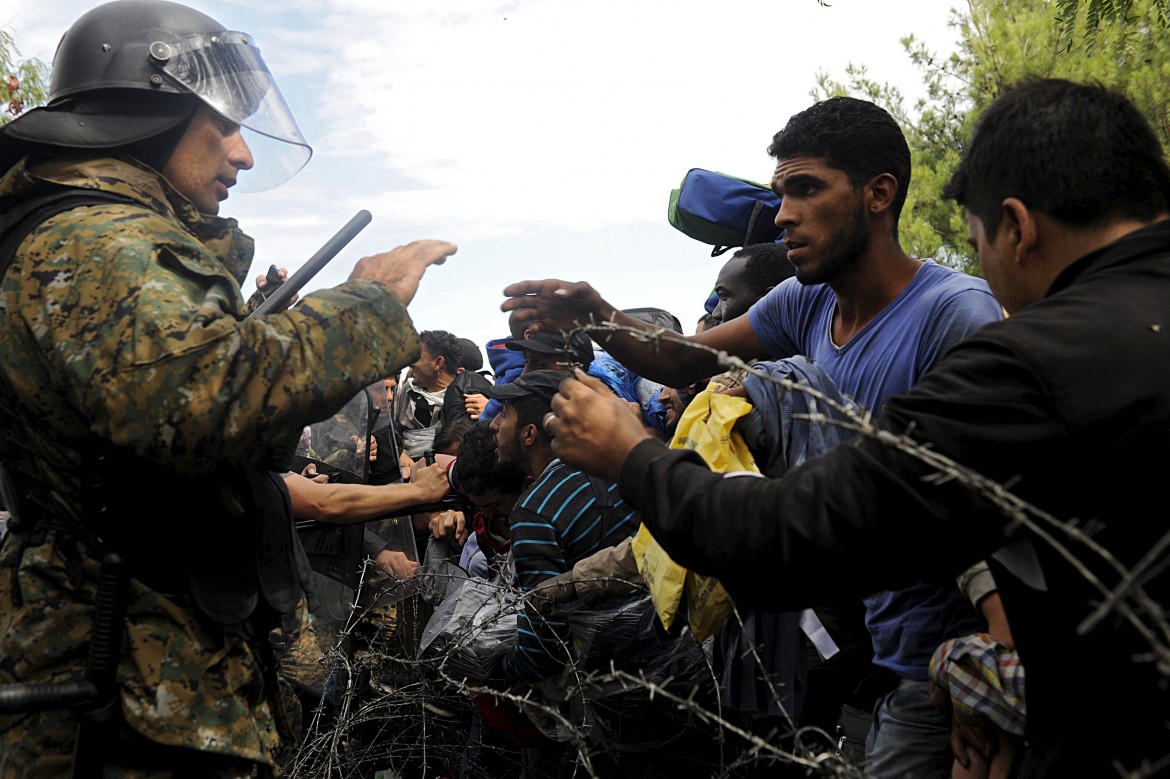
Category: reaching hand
<point>401,269</point>
<point>555,306</point>
<point>432,481</point>
<point>450,524</point>
<point>592,428</point>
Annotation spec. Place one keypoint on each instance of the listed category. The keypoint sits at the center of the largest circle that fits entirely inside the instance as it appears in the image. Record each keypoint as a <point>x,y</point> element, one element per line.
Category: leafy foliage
<point>1002,42</point>
<point>23,83</point>
<point>1098,12</point>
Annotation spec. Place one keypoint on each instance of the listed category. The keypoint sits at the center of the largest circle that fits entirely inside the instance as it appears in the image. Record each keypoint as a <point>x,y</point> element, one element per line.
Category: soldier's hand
<point>592,428</point>
<point>555,306</point>
<point>405,465</point>
<point>262,284</point>
<point>310,472</point>
<point>402,268</point>
<point>360,447</point>
<point>396,563</point>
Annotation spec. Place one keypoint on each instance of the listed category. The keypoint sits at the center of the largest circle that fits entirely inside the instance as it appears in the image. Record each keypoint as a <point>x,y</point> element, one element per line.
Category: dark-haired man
<point>562,517</point>
<point>418,403</point>
<point>874,318</point>
<point>1063,402</point>
<point>750,274</point>
<point>554,352</point>
<point>493,488</point>
<point>463,400</point>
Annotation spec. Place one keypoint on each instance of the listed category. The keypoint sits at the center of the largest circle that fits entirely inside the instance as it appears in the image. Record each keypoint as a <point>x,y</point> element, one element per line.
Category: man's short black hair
<point>449,438</point>
<point>854,136</point>
<point>765,266</point>
<point>1080,153</point>
<point>440,343</point>
<point>477,470</point>
<point>472,359</point>
<point>530,410</point>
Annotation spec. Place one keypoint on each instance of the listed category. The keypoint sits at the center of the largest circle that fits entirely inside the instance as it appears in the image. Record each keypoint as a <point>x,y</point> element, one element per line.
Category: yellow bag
<point>707,427</point>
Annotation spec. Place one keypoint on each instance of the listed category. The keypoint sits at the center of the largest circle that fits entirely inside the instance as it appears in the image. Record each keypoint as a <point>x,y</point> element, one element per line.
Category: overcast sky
<point>542,136</point>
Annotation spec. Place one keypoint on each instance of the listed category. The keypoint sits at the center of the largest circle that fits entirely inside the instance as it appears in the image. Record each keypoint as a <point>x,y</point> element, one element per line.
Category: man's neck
<point>441,382</point>
<point>537,458</point>
<point>865,291</point>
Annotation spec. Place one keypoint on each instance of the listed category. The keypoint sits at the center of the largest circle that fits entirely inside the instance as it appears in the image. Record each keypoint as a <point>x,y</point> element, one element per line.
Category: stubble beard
<point>842,252</point>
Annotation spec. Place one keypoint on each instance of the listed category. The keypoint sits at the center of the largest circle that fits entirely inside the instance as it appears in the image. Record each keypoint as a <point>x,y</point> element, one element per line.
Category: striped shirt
<point>563,517</point>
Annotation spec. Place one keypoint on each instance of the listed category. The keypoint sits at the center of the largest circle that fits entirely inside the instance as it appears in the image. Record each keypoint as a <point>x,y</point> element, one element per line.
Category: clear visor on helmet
<point>225,70</point>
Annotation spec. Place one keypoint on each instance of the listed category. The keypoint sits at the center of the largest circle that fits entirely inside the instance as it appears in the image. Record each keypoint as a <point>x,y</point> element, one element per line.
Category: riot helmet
<point>127,70</point>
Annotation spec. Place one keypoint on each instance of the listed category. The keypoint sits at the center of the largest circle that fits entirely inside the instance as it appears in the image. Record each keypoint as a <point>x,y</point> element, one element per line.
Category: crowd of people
<point>873,514</point>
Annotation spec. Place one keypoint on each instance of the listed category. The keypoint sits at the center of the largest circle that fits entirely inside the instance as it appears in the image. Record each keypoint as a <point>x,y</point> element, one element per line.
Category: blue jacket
<point>506,364</point>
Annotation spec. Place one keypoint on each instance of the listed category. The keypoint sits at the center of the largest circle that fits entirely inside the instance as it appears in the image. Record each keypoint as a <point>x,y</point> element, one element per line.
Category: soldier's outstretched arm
<point>152,333</point>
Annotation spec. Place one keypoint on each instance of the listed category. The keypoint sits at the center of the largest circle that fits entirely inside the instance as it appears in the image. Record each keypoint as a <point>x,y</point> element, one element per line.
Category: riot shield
<point>347,591</point>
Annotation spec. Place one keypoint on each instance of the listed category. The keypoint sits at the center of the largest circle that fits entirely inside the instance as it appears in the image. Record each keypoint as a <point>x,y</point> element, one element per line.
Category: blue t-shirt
<point>938,308</point>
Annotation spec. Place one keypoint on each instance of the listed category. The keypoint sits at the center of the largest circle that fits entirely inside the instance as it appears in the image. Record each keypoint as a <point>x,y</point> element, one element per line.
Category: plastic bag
<point>621,635</point>
<point>473,628</point>
<point>439,576</point>
<point>707,426</point>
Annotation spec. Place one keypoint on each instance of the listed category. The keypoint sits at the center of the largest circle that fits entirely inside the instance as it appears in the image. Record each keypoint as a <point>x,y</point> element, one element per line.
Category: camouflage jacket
<point>125,323</point>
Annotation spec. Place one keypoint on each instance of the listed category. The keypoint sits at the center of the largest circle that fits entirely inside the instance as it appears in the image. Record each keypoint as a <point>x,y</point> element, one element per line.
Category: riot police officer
<point>137,396</point>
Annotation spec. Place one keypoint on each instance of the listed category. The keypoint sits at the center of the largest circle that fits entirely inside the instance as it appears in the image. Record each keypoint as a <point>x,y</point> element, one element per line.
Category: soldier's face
<point>207,160</point>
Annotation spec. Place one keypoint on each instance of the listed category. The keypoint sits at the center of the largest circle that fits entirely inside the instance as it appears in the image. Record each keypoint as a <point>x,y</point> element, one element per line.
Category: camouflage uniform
<point>123,323</point>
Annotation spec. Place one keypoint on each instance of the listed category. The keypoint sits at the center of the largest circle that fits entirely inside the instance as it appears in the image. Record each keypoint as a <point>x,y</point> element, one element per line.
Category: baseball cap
<point>577,348</point>
<point>541,383</point>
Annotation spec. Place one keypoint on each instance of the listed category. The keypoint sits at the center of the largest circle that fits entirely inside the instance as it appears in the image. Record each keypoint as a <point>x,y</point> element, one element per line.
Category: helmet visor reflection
<point>225,70</point>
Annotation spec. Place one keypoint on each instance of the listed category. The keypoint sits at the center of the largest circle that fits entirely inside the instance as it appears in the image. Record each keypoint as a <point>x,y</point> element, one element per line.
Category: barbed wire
<point>384,710</point>
<point>1127,598</point>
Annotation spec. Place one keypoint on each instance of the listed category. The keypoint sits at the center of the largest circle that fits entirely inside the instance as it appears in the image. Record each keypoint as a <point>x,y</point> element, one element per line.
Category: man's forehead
<point>801,165</point>
<point>731,271</point>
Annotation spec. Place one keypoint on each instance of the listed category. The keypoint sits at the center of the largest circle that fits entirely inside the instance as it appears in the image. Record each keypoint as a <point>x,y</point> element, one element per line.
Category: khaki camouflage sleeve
<point>146,328</point>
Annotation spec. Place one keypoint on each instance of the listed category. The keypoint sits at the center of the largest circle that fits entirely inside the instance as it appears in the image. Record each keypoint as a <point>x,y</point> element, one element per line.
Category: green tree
<point>1001,42</point>
<point>23,83</point>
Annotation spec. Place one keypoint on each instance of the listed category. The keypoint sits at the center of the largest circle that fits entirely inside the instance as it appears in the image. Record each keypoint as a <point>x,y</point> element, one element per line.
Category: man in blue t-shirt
<point>875,318</point>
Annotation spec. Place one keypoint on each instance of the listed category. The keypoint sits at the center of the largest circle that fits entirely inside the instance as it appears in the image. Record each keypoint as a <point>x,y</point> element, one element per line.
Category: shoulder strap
<point>18,221</point>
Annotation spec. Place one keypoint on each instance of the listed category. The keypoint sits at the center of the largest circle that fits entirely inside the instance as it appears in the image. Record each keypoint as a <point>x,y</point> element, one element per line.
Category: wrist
<point>605,313</point>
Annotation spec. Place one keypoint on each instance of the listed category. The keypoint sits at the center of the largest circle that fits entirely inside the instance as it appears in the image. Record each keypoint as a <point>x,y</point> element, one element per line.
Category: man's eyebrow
<point>795,180</point>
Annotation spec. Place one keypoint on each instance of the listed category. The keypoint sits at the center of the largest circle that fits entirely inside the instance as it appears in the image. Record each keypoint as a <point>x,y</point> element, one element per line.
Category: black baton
<point>278,300</point>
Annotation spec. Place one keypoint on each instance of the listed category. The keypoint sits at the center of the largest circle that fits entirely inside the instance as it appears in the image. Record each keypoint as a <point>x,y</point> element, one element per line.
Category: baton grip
<point>280,298</point>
